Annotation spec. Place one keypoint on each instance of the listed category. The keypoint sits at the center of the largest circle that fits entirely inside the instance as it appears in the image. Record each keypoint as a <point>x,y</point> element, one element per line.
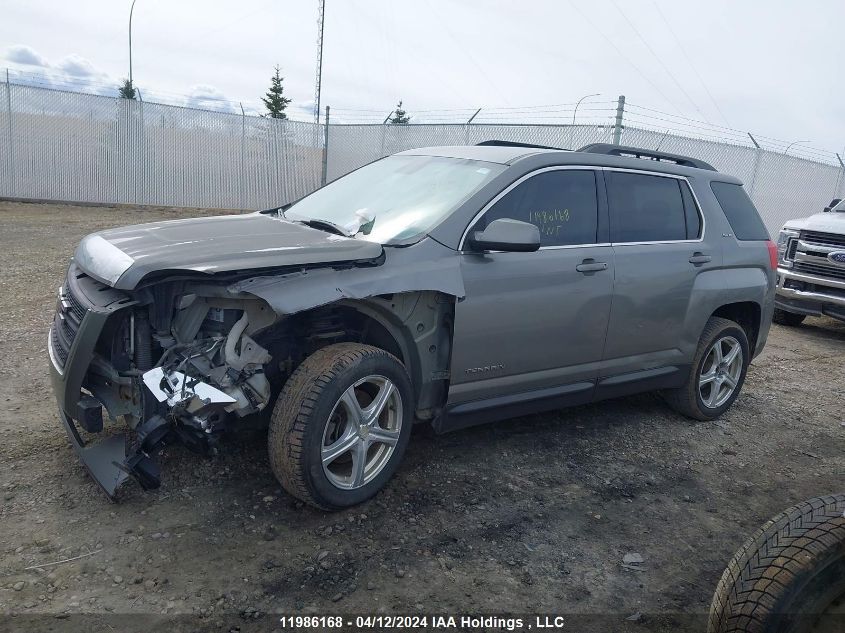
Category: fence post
<point>617,128</point>
<point>758,155</point>
<point>839,177</point>
<point>11,150</point>
<point>325,150</point>
<point>243,158</point>
<point>466,125</point>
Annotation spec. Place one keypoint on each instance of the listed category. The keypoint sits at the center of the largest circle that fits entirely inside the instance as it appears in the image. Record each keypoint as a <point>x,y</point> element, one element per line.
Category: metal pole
<point>321,16</point>
<point>839,177</point>
<point>466,125</point>
<point>758,156</point>
<point>326,149</point>
<point>11,152</point>
<point>243,157</point>
<point>753,140</point>
<point>791,144</point>
<point>572,129</point>
<point>131,9</point>
<point>617,128</point>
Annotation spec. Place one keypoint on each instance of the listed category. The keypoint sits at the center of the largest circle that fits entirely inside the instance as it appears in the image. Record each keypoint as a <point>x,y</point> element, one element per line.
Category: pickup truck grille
<point>70,311</point>
<point>811,254</point>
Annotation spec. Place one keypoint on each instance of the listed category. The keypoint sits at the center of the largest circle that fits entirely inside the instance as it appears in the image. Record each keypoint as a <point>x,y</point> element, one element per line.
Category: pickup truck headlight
<point>785,239</point>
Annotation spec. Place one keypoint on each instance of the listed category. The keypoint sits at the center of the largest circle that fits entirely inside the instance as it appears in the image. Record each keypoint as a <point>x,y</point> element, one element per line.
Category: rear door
<point>533,321</point>
<point>660,247</point>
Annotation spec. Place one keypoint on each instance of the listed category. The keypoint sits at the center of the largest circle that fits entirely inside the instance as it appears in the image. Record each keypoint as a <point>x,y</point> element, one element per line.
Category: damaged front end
<point>171,362</point>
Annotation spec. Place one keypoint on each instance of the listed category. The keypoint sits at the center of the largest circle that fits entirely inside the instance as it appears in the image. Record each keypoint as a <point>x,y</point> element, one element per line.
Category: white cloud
<point>24,55</point>
<point>77,66</point>
<point>207,97</point>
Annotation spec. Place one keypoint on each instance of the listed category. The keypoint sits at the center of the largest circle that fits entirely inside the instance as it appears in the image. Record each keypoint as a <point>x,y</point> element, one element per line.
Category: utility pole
<point>131,9</point>
<point>321,21</point>
<point>326,150</point>
<point>617,128</point>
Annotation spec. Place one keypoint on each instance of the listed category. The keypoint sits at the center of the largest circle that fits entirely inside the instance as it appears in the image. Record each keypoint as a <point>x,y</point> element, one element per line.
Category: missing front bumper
<point>109,462</point>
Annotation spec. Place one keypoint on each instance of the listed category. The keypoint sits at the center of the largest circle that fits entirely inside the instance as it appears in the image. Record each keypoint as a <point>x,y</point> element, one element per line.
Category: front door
<point>535,321</point>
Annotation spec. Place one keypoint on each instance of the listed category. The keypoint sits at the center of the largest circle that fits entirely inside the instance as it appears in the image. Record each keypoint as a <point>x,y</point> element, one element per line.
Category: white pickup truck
<point>811,267</point>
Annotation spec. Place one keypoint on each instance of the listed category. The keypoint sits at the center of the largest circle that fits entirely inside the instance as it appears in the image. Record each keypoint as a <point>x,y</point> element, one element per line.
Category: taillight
<point>773,254</point>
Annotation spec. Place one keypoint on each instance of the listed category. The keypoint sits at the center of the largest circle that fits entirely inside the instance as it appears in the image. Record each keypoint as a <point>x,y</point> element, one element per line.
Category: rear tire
<point>787,575</point>
<point>696,398</point>
<point>340,425</point>
<point>790,319</point>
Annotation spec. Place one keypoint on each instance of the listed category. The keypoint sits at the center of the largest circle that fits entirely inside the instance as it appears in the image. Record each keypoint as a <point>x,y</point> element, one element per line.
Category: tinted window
<point>645,208</point>
<point>691,209</point>
<point>740,211</point>
<point>561,203</point>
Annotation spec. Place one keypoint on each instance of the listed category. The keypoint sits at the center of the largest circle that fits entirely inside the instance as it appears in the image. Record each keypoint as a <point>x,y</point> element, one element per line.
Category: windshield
<point>397,198</point>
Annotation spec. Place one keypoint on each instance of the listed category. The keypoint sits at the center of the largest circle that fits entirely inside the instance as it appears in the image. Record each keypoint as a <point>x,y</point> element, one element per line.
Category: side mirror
<point>832,204</point>
<point>506,235</point>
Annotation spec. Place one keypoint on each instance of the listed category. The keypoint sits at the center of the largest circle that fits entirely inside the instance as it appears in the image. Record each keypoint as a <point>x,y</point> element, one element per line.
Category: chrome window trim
<point>542,170</point>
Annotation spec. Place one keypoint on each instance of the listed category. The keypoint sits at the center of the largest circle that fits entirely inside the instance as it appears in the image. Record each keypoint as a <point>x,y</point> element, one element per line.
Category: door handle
<point>590,266</point>
<point>699,258</point>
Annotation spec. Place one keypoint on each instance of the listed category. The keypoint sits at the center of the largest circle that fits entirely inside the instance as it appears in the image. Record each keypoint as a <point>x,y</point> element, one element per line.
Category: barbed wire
<point>600,112</point>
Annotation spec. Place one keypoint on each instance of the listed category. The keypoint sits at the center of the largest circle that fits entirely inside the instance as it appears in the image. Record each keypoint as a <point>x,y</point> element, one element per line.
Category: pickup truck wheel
<point>782,317</point>
<point>789,576</point>
<point>340,425</point>
<point>717,372</point>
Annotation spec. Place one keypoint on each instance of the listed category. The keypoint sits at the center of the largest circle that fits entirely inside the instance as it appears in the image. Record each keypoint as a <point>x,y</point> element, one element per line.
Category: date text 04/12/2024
<point>461,622</point>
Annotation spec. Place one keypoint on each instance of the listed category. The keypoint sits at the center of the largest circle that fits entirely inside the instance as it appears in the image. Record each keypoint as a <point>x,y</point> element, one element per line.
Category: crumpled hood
<point>830,222</point>
<point>122,257</point>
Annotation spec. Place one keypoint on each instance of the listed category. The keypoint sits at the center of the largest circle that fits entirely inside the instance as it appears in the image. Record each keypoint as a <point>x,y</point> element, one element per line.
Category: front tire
<point>790,319</point>
<point>785,578</point>
<point>717,372</point>
<point>341,425</point>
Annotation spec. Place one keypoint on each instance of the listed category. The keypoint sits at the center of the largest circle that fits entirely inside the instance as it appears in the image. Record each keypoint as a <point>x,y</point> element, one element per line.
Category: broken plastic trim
<point>175,388</point>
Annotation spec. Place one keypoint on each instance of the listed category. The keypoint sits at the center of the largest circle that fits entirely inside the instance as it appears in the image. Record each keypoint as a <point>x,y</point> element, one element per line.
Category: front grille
<point>824,239</point>
<point>70,312</point>
<point>821,270</point>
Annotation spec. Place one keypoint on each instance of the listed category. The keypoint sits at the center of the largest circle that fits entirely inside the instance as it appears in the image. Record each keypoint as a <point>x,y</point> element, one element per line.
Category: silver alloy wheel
<point>720,372</point>
<point>361,432</point>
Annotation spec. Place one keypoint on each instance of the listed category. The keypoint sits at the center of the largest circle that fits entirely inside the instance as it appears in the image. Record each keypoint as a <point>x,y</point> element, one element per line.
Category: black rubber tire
<point>303,409</point>
<point>790,319</point>
<point>787,574</point>
<point>687,399</point>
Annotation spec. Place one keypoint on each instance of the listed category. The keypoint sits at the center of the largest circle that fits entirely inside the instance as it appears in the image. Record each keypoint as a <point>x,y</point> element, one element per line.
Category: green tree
<point>275,101</point>
<point>127,90</point>
<point>400,117</point>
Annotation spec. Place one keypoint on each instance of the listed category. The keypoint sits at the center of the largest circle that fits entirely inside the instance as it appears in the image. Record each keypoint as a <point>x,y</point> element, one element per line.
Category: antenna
<point>321,13</point>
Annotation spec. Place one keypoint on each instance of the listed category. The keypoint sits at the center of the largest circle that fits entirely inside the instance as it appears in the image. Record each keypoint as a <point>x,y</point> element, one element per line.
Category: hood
<point>122,257</point>
<point>830,222</point>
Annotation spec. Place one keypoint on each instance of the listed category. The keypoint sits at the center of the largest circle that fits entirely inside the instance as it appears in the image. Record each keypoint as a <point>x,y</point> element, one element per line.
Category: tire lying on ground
<point>789,576</point>
<point>340,425</point>
<point>782,317</point>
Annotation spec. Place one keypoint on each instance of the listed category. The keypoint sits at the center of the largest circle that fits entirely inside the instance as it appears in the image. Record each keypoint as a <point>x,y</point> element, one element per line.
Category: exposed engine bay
<point>185,361</point>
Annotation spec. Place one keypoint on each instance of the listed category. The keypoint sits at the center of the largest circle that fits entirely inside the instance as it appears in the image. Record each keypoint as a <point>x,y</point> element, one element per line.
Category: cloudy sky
<point>773,67</point>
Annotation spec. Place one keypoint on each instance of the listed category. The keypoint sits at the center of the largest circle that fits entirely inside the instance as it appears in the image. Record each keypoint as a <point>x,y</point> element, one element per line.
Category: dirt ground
<point>530,515</point>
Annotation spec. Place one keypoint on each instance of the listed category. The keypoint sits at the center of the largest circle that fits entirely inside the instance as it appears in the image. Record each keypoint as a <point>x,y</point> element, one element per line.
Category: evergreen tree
<point>400,117</point>
<point>127,90</point>
<point>275,101</point>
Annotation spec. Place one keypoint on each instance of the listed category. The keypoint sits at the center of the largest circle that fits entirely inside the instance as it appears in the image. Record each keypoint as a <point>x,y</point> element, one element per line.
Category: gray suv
<point>452,285</point>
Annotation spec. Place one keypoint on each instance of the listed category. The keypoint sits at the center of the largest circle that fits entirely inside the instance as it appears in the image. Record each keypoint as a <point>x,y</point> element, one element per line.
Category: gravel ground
<point>532,515</point>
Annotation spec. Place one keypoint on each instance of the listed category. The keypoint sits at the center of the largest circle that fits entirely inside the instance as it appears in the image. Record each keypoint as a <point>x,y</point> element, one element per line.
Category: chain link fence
<point>89,148</point>
<point>75,147</point>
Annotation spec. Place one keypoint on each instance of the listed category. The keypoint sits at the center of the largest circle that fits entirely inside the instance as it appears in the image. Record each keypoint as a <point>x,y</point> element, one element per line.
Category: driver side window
<point>562,203</point>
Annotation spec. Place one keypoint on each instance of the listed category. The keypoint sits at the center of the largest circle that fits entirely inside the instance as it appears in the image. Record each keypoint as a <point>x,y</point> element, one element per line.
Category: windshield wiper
<point>325,225</point>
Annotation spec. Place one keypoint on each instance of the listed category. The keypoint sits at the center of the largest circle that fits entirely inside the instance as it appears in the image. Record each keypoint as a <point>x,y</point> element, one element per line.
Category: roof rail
<point>647,154</point>
<point>498,143</point>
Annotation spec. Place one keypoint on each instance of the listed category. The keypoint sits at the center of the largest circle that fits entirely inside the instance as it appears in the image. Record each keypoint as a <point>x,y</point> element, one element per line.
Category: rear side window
<point>740,211</point>
<point>645,208</point>
<point>562,203</point>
